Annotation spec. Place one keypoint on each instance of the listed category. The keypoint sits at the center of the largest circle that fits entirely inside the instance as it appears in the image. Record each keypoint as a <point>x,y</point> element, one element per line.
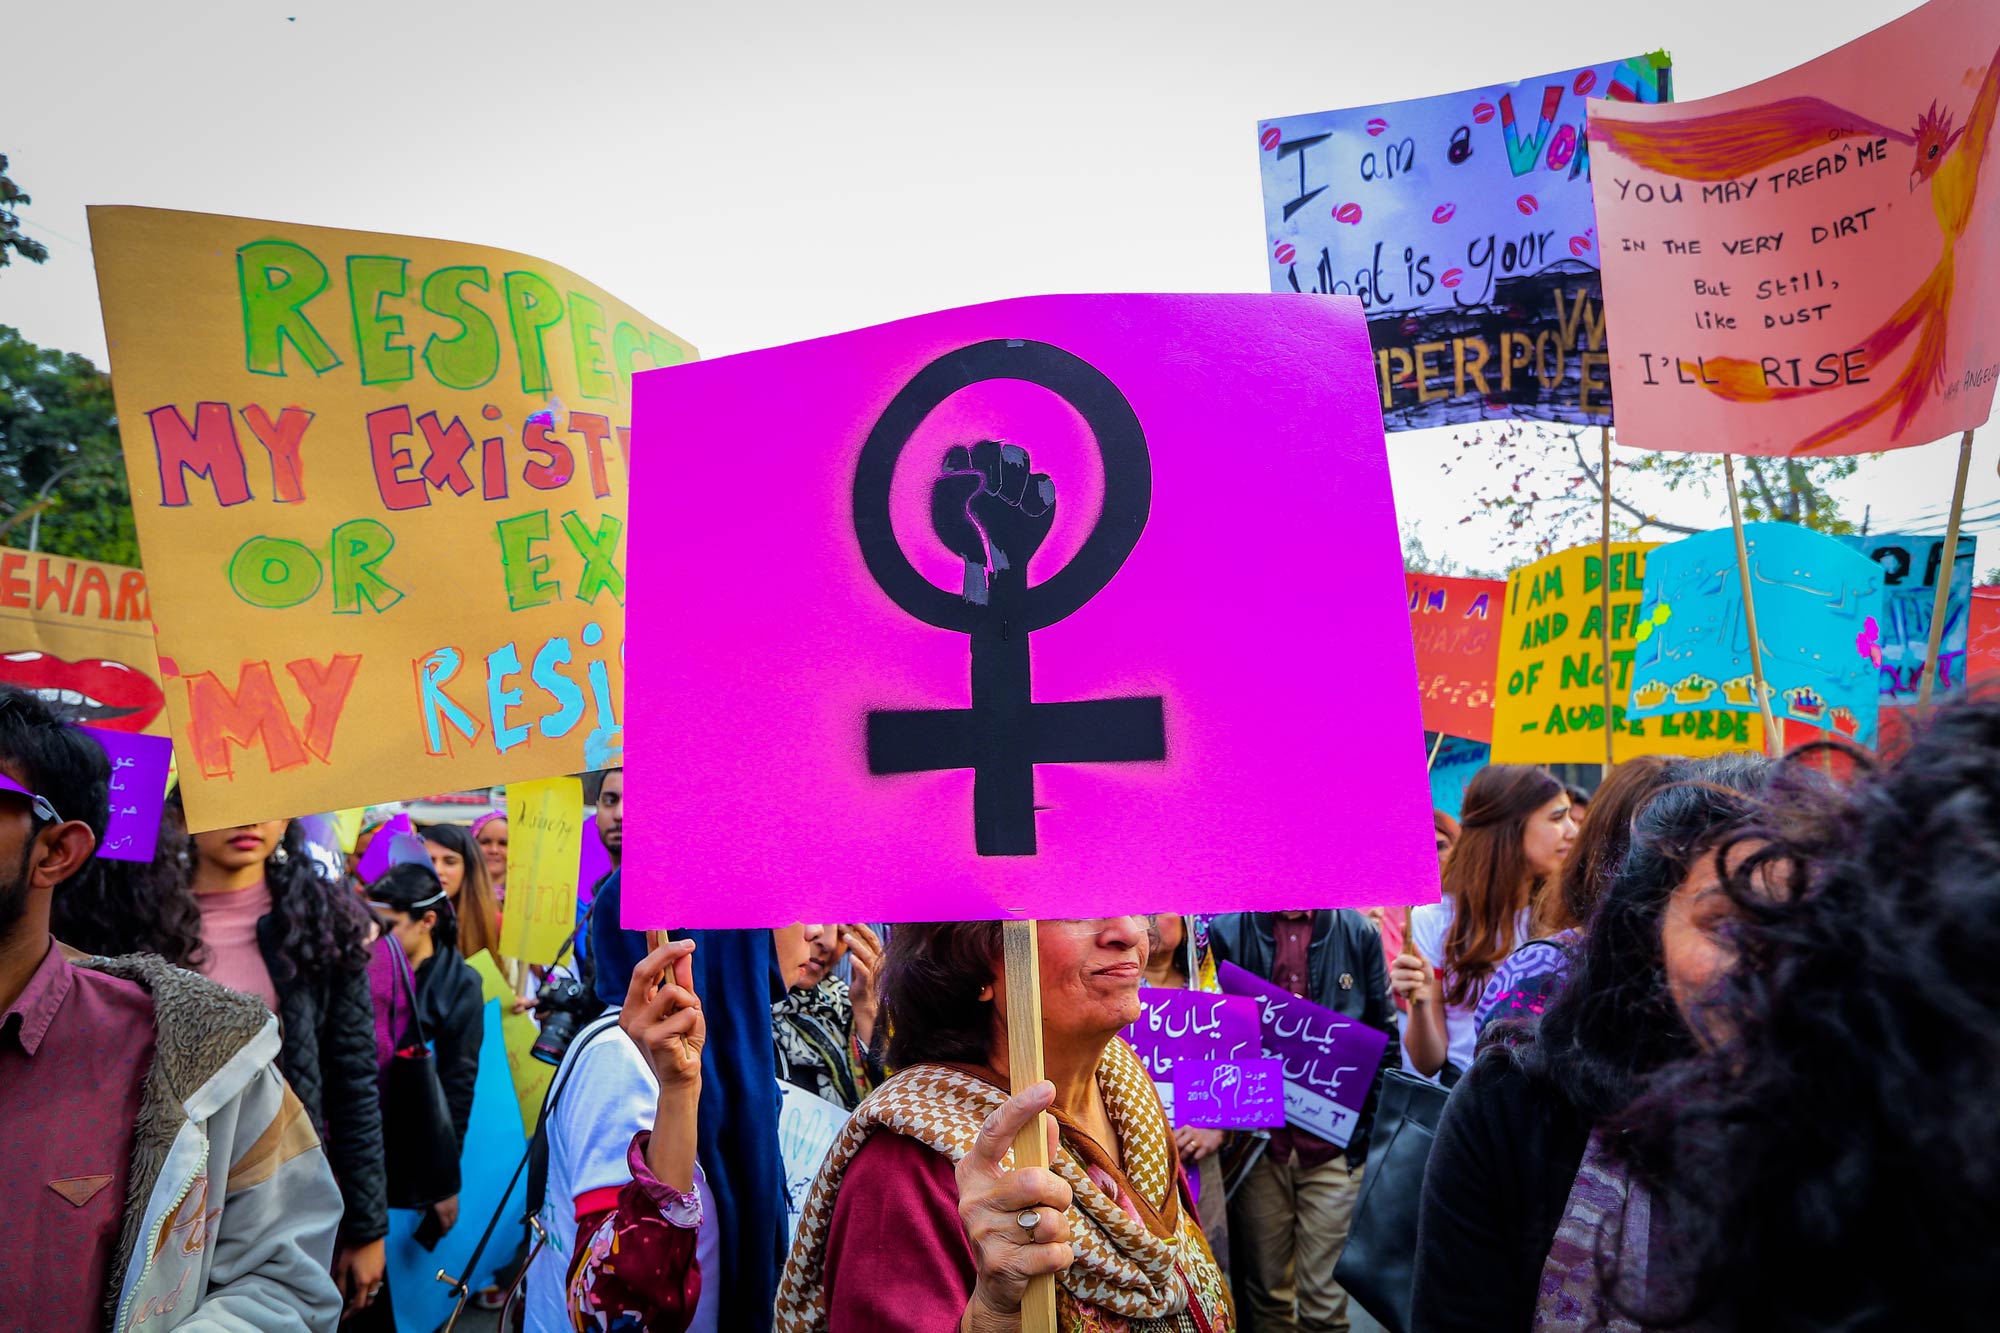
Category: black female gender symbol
<point>1005,733</point>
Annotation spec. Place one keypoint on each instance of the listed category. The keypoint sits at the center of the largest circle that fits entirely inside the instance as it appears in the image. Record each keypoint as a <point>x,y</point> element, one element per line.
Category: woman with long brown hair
<point>1527,983</point>
<point>461,869</point>
<point>1515,831</point>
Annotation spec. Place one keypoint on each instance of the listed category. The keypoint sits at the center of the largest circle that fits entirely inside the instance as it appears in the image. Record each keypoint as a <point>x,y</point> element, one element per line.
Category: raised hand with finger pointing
<point>662,1015</point>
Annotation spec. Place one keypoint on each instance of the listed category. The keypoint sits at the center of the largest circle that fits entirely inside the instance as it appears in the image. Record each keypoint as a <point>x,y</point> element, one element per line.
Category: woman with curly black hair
<point>272,926</point>
<point>1519,1133</point>
<point>1832,1158</point>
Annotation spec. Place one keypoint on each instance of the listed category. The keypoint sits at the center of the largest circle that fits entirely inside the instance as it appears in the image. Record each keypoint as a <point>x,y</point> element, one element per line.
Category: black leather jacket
<point>1345,972</point>
<point>327,1053</point>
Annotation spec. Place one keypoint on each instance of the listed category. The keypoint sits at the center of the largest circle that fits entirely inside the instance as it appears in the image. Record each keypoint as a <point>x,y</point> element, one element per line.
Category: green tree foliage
<point>1547,486</point>
<point>12,242</point>
<point>57,424</point>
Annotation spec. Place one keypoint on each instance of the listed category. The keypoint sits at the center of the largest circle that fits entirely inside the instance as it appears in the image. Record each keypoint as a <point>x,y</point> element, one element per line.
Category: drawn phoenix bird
<point>1732,144</point>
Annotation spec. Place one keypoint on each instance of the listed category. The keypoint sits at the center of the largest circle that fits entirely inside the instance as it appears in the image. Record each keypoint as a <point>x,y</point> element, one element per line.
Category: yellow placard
<point>544,853</point>
<point>347,826</point>
<point>80,634</point>
<point>380,485</point>
<point>1549,702</point>
<point>517,1033</point>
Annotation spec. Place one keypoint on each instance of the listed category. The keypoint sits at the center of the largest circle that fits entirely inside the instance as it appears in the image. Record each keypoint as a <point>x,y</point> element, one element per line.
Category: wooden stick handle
<point>1024,1069</point>
<point>1774,740</point>
<point>1604,600</point>
<point>1941,604</point>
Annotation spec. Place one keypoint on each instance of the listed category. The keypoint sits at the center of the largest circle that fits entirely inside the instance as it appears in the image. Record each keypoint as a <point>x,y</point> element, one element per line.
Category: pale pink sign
<point>1055,607</point>
<point>1810,265</point>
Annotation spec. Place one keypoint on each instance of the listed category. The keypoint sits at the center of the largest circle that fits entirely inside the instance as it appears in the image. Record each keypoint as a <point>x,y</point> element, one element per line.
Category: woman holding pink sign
<point>1111,1218</point>
<point>274,928</point>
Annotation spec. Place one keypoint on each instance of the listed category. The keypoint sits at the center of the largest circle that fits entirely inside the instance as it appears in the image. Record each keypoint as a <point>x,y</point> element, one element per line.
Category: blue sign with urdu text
<point>1819,612</point>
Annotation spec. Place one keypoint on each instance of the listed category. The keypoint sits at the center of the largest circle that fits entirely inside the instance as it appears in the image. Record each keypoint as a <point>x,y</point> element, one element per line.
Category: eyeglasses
<point>43,812</point>
<point>1091,925</point>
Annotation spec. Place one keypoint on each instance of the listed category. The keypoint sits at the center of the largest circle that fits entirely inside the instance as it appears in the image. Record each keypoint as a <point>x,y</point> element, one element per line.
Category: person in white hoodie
<point>160,1173</point>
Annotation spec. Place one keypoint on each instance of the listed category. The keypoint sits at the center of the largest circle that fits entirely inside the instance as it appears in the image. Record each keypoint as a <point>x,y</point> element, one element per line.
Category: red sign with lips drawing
<point>1456,626</point>
<point>80,634</point>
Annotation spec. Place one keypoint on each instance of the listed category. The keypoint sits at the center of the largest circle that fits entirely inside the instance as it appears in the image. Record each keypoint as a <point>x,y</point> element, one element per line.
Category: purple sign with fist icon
<point>1230,1094</point>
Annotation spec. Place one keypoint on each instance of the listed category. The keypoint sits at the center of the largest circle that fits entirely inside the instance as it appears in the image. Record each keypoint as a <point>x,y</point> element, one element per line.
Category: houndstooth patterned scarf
<point>1156,1276</point>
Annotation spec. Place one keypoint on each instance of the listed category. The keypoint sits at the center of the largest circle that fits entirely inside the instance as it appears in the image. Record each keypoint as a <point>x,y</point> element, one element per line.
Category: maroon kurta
<point>897,1259</point>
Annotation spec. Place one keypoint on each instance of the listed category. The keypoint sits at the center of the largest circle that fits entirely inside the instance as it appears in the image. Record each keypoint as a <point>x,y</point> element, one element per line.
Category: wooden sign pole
<point>1023,975</point>
<point>1941,604</point>
<point>1774,740</point>
<point>1604,599</point>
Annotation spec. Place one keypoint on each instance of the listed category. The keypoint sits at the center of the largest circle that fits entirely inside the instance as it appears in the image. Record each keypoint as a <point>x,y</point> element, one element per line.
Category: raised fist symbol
<point>994,512</point>
<point>1226,1085</point>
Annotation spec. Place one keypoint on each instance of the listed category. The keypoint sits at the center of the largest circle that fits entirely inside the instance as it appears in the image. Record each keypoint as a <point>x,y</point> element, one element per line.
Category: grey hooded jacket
<point>231,1211</point>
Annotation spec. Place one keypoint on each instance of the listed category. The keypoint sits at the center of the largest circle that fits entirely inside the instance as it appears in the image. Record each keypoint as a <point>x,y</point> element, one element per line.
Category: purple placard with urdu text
<point>1195,1025</point>
<point>138,790</point>
<point>1230,1094</point>
<point>1176,1025</point>
<point>1330,1060</point>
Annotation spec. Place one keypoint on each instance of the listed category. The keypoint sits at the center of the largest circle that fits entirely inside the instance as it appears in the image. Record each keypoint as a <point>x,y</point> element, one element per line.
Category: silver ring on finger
<point>1029,1220</point>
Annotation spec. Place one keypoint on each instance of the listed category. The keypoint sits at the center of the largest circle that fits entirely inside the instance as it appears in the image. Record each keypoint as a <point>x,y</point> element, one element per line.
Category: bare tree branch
<point>1645,519</point>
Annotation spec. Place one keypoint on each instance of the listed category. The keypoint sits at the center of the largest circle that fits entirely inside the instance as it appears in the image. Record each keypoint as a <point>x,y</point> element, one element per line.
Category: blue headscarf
<point>736,976</point>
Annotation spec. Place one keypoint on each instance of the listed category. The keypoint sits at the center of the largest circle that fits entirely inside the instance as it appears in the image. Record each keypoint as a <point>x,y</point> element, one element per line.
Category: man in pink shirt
<point>135,1098</point>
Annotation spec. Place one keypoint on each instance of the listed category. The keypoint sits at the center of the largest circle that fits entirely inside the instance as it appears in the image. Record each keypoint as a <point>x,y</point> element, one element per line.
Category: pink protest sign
<point>1810,264</point>
<point>1054,607</point>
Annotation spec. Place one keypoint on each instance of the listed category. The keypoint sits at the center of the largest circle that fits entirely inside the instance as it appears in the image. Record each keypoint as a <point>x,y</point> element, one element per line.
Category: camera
<point>563,1005</point>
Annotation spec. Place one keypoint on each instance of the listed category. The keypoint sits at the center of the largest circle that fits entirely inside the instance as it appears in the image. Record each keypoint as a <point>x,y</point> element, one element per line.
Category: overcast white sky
<point>751,174</point>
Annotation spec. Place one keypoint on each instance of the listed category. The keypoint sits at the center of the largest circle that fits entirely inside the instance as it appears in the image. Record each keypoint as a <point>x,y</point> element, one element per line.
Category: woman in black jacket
<point>413,906</point>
